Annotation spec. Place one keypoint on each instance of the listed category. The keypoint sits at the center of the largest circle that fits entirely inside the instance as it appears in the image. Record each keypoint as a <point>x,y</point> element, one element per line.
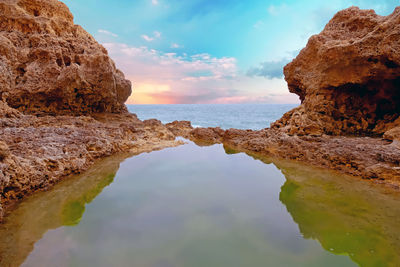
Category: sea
<point>239,116</point>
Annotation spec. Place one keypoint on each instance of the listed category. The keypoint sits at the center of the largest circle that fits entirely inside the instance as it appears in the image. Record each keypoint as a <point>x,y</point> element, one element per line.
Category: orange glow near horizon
<point>146,93</point>
<point>154,92</point>
<point>143,98</point>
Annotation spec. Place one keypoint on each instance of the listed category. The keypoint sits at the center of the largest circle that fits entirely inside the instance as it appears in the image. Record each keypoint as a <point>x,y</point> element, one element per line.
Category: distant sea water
<point>239,116</point>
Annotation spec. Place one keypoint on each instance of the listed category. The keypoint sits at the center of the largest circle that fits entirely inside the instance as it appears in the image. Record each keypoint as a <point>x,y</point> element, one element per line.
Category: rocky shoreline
<point>62,101</point>
<point>36,152</point>
<point>347,78</point>
<point>366,157</point>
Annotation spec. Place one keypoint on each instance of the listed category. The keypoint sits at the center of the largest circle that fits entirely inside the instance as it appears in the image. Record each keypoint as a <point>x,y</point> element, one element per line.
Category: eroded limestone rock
<point>347,77</point>
<point>50,65</point>
<point>61,101</point>
<point>36,152</point>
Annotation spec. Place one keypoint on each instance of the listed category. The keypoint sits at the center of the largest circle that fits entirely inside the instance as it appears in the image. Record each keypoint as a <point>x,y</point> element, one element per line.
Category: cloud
<point>154,2</point>
<point>269,69</point>
<point>156,35</point>
<point>176,46</point>
<point>170,78</point>
<point>147,38</point>
<point>107,33</point>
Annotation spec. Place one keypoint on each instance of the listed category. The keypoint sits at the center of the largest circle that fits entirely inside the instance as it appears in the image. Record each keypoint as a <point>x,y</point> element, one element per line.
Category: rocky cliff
<point>348,80</point>
<point>347,77</point>
<point>50,65</point>
<point>61,101</point>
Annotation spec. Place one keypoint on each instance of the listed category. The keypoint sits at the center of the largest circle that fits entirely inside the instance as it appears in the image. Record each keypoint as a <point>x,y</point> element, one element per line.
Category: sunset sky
<point>208,51</point>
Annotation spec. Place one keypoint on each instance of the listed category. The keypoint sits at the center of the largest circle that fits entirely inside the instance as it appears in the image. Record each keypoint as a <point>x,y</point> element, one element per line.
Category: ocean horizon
<point>226,116</point>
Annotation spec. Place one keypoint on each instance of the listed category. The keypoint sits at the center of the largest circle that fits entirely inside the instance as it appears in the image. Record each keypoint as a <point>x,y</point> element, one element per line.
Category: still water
<point>207,207</point>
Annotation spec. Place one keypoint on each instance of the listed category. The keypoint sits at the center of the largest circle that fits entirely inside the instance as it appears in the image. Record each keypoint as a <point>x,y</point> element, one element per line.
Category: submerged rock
<point>347,77</point>
<point>50,65</point>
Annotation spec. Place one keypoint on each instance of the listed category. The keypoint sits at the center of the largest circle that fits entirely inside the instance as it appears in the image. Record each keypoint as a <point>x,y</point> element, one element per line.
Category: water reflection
<point>63,205</point>
<point>197,206</point>
<point>347,216</point>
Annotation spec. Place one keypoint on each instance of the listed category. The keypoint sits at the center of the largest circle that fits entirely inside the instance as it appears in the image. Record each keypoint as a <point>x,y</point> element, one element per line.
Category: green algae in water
<point>73,209</point>
<point>359,223</point>
<point>198,206</point>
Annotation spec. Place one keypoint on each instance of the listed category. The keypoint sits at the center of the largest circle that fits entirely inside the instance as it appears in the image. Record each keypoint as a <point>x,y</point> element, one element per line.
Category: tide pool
<point>204,206</point>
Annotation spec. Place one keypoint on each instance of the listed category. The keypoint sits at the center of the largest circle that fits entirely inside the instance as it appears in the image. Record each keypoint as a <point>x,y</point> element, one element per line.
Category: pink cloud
<point>159,77</point>
<point>156,35</point>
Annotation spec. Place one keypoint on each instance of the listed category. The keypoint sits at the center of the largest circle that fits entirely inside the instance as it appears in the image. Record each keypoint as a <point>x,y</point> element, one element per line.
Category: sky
<point>209,51</point>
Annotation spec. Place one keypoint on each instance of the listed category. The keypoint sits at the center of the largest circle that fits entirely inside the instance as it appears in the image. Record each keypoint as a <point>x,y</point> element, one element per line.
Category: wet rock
<point>42,150</point>
<point>366,157</point>
<point>180,128</point>
<point>207,134</point>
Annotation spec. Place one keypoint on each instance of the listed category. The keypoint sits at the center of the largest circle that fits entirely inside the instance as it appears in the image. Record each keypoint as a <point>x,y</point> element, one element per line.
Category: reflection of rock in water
<point>346,216</point>
<point>64,205</point>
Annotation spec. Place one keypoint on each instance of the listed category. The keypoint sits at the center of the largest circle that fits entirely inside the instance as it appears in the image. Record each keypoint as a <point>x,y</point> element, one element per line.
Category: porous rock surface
<point>347,77</point>
<point>50,65</point>
<point>36,152</point>
<point>61,101</point>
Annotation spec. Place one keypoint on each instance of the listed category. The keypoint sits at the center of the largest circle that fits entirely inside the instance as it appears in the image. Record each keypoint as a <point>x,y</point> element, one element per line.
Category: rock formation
<point>347,77</point>
<point>61,101</point>
<point>38,151</point>
<point>50,65</point>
